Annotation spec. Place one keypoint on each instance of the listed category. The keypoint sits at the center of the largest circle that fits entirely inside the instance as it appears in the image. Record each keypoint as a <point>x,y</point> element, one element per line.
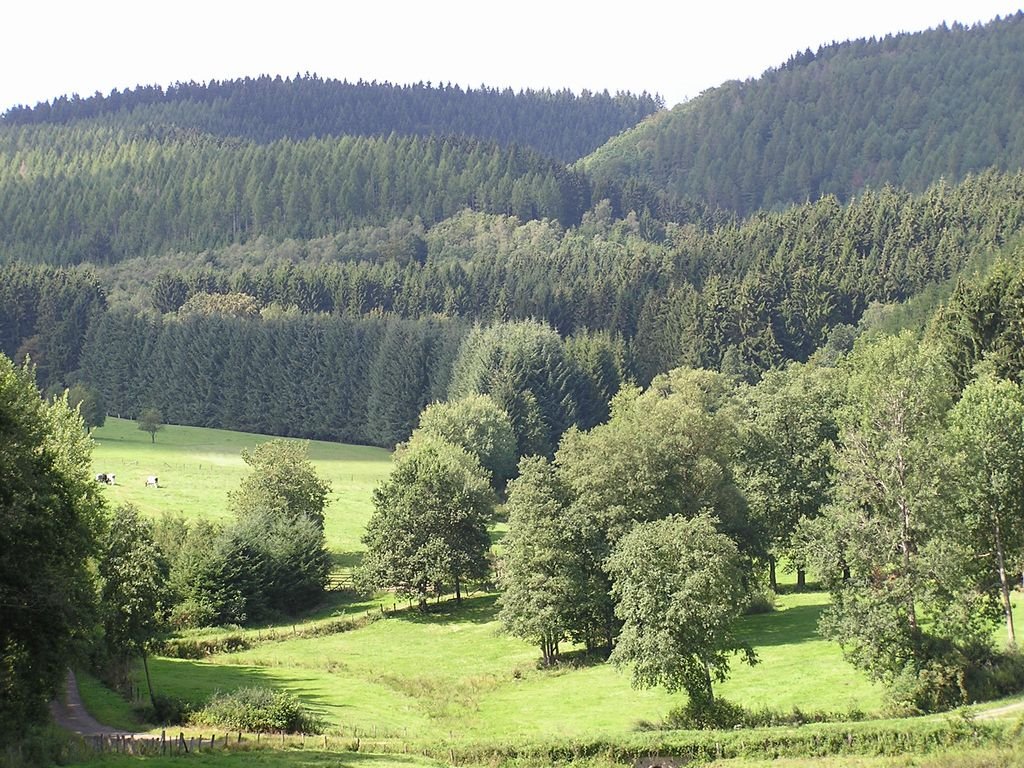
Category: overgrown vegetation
<point>257,710</point>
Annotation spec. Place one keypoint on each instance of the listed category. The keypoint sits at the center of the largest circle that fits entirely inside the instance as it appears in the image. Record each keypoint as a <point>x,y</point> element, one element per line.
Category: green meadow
<point>199,467</point>
<point>449,675</point>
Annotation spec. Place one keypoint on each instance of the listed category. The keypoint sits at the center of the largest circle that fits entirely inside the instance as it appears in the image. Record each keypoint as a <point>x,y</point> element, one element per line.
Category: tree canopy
<point>51,519</point>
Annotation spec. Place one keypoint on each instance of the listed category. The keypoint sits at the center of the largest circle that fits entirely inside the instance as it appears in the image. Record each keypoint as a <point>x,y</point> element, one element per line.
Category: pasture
<point>198,467</point>
<point>446,676</point>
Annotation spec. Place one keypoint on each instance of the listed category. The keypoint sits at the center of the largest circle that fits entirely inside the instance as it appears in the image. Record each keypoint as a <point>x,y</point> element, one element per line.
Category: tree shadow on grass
<point>789,626</point>
<point>348,561</point>
<point>196,681</point>
<point>473,610</point>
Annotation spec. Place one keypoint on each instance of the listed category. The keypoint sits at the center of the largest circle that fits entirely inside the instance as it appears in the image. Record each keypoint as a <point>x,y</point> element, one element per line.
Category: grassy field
<point>198,468</point>
<point>449,675</point>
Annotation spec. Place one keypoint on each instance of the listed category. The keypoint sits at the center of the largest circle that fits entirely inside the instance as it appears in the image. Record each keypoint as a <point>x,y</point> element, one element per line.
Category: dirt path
<point>69,713</point>
<point>1006,711</point>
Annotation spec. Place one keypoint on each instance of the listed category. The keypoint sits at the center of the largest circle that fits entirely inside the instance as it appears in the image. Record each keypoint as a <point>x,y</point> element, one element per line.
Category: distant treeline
<point>904,110</point>
<point>752,294</point>
<point>358,380</point>
<point>743,298</point>
<point>559,124</point>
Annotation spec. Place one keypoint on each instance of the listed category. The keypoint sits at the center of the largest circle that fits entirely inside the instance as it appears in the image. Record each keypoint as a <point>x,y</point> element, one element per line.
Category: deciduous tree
<point>51,516</point>
<point>132,591</point>
<point>987,437</point>
<point>429,526</point>
<point>151,420</point>
<point>678,589</point>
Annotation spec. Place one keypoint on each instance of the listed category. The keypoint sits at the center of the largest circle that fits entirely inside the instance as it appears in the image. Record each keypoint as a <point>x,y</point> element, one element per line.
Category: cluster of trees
<point>80,582</point>
<point>271,559</point>
<point>428,533</point>
<point>559,124</point>
<point>904,110</point>
<point>899,487</point>
<point>359,380</point>
<point>902,493</point>
<point>45,314</point>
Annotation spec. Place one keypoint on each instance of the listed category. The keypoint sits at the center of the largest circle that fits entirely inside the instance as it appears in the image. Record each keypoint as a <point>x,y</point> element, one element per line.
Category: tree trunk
<point>907,547</point>
<point>149,682</point>
<point>772,580</point>
<point>458,590</point>
<point>801,578</point>
<point>707,680</point>
<point>1004,585</point>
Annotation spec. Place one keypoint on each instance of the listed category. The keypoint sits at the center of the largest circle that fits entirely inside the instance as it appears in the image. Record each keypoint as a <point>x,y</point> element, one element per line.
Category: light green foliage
<point>258,709</point>
<point>479,426</point>
<point>282,482</point>
<point>50,511</point>
<point>678,589</point>
<point>429,528</point>
<point>986,434</point>
<point>665,451</point>
<point>786,464</point>
<point>132,587</point>
<point>234,304</point>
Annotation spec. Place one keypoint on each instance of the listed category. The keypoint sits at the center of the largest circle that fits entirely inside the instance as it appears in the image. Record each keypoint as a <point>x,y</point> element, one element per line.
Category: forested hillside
<point>905,110</point>
<point>353,350</point>
<point>222,252</point>
<point>559,124</point>
<point>69,195</point>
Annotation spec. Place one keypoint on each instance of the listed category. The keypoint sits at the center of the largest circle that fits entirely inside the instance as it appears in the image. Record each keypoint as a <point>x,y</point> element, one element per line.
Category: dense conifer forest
<point>903,109</point>
<point>560,124</point>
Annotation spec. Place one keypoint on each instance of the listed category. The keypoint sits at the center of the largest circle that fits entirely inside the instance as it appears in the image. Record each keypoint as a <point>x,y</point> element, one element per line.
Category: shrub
<point>168,710</point>
<point>258,709</point>
<point>761,601</point>
<point>722,714</point>
<point>192,612</point>
<point>706,715</point>
<point>957,677</point>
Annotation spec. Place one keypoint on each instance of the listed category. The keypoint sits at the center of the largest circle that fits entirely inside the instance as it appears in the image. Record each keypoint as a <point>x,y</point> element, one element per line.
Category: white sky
<point>678,49</point>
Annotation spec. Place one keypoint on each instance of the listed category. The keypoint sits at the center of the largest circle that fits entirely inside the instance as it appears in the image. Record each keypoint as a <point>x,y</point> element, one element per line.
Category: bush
<point>761,601</point>
<point>957,677</point>
<point>258,709</point>
<point>169,710</point>
<point>722,714</point>
<point>192,612</point>
<point>703,715</point>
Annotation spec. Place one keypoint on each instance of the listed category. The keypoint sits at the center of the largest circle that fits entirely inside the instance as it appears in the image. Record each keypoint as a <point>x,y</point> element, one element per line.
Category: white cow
<point>153,480</point>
